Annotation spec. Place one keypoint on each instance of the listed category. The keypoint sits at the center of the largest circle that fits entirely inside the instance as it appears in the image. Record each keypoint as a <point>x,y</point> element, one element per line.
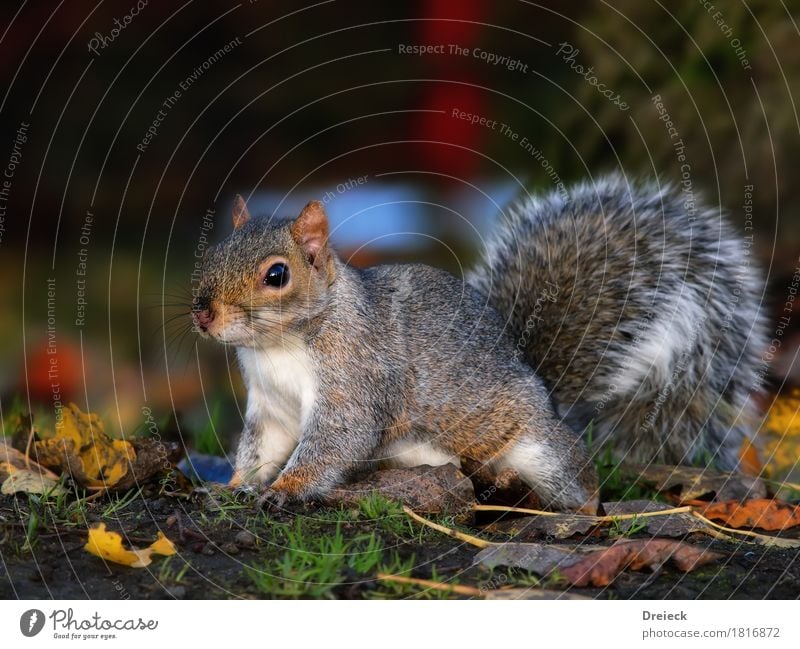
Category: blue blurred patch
<point>373,214</point>
<point>395,216</point>
<point>206,468</point>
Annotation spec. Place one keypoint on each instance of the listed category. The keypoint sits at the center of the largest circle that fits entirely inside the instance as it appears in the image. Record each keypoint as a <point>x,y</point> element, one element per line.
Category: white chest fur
<point>281,388</point>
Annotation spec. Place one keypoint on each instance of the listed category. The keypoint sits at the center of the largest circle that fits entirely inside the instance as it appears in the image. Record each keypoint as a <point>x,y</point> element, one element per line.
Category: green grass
<point>312,565</point>
<point>225,506</point>
<point>171,575</point>
<point>318,556</point>
<point>379,514</point>
<point>614,485</point>
<point>118,502</point>
<point>619,529</point>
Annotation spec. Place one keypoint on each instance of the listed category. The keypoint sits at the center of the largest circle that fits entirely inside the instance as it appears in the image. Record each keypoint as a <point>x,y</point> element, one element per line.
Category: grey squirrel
<point>612,310</point>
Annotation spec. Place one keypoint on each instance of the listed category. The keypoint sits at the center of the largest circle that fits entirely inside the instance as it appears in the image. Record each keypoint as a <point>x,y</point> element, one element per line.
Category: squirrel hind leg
<point>563,476</point>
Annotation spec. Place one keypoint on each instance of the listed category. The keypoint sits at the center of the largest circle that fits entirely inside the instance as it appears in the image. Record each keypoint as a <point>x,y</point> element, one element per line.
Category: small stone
<point>425,489</point>
<point>229,548</point>
<point>209,549</point>
<point>244,539</point>
<point>158,505</point>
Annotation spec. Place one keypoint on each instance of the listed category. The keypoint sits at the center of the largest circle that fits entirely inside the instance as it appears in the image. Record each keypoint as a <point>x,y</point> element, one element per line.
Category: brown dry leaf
<point>31,482</point>
<point>531,593</point>
<point>691,483</point>
<point>561,526</point>
<point>21,474</point>
<point>583,567</point>
<point>81,447</point>
<point>11,460</point>
<point>770,515</point>
<point>679,524</point>
<point>536,557</point>
<point>108,545</point>
<point>601,567</point>
<point>154,457</point>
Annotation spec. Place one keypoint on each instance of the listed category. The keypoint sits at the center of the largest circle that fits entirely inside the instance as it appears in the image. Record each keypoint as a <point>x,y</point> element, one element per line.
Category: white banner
<point>401,624</point>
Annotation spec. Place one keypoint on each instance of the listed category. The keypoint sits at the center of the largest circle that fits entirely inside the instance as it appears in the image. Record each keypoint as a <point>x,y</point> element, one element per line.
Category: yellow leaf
<point>108,545</point>
<point>162,545</point>
<point>7,468</point>
<point>81,446</point>
<point>780,436</point>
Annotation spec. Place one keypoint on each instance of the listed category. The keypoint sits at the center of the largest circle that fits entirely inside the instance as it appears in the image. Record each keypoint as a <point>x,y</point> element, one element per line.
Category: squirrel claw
<point>272,499</point>
<point>243,492</point>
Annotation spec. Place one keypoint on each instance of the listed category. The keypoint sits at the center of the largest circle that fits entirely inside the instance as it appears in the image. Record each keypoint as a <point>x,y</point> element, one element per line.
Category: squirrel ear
<point>241,214</point>
<point>310,231</point>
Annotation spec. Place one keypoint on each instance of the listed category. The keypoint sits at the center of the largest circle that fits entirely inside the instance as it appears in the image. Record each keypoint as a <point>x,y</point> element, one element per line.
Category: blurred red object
<point>54,371</point>
<point>449,22</point>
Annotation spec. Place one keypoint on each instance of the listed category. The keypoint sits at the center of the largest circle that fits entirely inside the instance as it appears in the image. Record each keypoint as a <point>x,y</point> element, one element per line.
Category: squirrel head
<point>266,280</point>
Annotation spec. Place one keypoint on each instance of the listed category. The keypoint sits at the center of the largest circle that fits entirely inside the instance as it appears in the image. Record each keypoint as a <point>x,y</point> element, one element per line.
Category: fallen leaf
<point>690,483</point>
<point>595,567</point>
<point>601,567</point>
<point>108,545</point>
<point>531,593</point>
<point>779,437</point>
<point>153,457</point>
<point>81,447</point>
<point>750,459</point>
<point>527,528</point>
<point>770,515</point>
<point>540,558</point>
<point>11,460</point>
<point>31,482</point>
<point>679,524</point>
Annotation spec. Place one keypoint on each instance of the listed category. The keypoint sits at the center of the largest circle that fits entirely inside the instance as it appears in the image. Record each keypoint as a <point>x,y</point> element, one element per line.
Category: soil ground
<point>233,549</point>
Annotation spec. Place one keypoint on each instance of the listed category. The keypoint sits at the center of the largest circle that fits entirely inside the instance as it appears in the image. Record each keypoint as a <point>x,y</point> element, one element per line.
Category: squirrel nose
<point>203,318</point>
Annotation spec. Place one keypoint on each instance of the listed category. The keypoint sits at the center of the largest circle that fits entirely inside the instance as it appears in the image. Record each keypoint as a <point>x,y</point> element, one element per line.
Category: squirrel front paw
<point>272,499</point>
<point>244,492</point>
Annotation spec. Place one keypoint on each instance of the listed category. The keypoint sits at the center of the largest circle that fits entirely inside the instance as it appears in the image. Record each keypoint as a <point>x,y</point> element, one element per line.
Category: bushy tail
<point>640,308</point>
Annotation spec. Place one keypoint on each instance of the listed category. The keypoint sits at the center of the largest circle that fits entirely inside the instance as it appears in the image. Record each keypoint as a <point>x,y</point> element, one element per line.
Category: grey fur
<point>632,262</point>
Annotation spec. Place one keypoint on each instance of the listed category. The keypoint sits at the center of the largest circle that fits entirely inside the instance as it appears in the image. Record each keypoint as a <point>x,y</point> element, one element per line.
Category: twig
<point>470,591</point>
<point>28,447</point>
<point>100,492</point>
<point>713,529</point>
<point>467,538</point>
<point>522,510</point>
<point>762,539</point>
<point>596,519</point>
<point>783,483</point>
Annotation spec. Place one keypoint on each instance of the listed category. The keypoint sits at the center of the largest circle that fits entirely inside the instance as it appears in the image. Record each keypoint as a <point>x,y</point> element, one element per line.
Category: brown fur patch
<point>295,482</point>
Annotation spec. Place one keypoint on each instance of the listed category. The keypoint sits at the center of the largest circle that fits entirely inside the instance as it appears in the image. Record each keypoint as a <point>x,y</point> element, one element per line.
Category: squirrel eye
<point>277,275</point>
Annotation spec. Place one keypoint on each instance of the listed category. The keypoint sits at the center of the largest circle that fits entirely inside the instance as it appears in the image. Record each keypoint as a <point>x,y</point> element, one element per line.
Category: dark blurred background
<point>127,128</point>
